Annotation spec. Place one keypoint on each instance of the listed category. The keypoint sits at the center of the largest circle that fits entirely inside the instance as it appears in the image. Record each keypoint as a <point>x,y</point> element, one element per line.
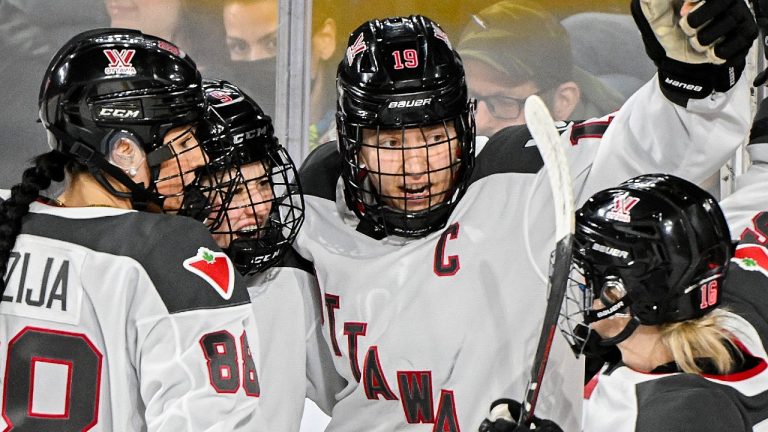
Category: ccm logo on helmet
<point>119,113</point>
<point>410,103</point>
<point>237,139</point>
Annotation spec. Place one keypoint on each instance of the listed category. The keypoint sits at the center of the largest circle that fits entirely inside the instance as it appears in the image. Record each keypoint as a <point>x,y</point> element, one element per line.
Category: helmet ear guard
<point>130,162</point>
<point>660,240</point>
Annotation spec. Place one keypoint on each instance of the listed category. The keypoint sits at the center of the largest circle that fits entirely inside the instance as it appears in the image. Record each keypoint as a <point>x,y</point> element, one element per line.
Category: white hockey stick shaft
<point>547,138</point>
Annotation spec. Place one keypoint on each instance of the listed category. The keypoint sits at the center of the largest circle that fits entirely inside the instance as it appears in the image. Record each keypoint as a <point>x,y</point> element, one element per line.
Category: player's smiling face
<point>248,211</point>
<point>412,169</point>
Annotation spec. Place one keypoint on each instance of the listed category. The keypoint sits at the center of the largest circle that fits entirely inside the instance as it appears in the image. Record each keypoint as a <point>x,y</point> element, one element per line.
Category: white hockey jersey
<point>751,194</point>
<point>620,399</point>
<point>293,360</point>
<point>112,320</point>
<point>429,331</point>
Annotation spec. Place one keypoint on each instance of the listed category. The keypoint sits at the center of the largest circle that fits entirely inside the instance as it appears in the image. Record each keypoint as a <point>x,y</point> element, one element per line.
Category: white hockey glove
<point>698,53</point>
<point>503,418</point>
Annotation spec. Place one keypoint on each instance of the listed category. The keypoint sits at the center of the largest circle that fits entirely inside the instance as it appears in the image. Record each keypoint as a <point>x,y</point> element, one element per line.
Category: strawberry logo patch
<point>752,258</point>
<point>215,268</point>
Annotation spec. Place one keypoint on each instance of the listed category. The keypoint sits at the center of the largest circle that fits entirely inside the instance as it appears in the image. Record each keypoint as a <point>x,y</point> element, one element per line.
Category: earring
<point>132,171</point>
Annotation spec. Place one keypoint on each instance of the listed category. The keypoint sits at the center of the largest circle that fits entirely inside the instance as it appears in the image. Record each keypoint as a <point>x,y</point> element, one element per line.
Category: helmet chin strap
<point>605,313</point>
<point>623,334</point>
<point>141,198</point>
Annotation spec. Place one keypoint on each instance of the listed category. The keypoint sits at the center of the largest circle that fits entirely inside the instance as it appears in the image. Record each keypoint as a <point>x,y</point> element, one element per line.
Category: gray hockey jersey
<point>293,361</point>
<point>121,320</point>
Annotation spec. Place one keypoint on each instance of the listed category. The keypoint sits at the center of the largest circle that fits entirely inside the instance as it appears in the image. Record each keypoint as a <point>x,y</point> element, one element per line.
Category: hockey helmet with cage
<point>656,246</point>
<point>254,226</point>
<point>109,82</point>
<point>400,73</point>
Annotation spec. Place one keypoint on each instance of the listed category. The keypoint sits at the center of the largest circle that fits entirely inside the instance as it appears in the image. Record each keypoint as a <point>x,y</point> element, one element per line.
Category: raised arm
<point>691,117</point>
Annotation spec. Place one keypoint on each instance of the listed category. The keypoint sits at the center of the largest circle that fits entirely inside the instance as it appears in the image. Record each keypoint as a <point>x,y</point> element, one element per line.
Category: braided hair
<point>47,167</point>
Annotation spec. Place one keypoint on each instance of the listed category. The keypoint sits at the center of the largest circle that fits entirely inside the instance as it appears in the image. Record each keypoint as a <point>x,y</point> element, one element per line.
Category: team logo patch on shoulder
<point>752,257</point>
<point>215,268</point>
<point>120,62</point>
<point>622,205</point>
<point>355,49</point>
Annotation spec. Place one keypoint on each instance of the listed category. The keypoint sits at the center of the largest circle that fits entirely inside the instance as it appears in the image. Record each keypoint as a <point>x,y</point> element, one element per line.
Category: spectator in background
<point>514,49</point>
<point>187,23</point>
<point>251,33</point>
<point>622,64</point>
<point>251,29</point>
<point>156,17</point>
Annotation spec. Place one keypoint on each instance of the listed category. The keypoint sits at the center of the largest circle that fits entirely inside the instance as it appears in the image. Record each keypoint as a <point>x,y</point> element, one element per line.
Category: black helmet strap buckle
<point>159,155</point>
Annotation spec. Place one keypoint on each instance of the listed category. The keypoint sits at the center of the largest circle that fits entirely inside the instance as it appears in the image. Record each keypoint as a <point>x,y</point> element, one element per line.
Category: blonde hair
<point>699,338</point>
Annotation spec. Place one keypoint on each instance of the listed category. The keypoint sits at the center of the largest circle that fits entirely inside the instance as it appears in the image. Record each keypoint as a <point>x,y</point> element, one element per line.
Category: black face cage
<point>577,302</point>
<point>389,208</point>
<point>255,209</point>
<point>188,162</point>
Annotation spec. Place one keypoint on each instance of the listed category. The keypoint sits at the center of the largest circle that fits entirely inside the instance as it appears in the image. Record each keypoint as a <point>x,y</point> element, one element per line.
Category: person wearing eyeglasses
<point>514,49</point>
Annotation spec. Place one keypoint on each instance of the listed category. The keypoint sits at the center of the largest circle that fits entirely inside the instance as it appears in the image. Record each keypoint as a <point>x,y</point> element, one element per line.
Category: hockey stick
<point>547,139</point>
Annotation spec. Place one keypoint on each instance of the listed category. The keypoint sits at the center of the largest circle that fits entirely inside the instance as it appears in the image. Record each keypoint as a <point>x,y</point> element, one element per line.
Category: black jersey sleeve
<point>178,270</point>
<point>511,149</point>
<point>679,404</point>
<point>169,248</point>
<point>745,291</point>
<point>321,170</point>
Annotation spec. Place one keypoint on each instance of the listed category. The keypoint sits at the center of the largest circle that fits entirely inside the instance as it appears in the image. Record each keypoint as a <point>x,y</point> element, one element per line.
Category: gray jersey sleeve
<point>688,409</point>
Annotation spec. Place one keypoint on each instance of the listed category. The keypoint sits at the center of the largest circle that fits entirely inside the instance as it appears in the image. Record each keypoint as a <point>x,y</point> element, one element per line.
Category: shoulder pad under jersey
<point>171,249</point>
<point>320,171</point>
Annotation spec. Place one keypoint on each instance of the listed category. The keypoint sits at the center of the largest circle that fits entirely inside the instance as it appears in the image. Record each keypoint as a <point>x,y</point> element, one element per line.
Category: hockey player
<point>253,176</point>
<point>263,209</point>
<point>112,318</point>
<point>653,283</point>
<point>432,262</point>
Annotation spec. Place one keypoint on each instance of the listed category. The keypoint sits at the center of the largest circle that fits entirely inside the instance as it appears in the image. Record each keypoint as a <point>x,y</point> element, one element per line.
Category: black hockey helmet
<point>656,245</point>
<point>400,73</point>
<point>112,81</point>
<point>256,205</point>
